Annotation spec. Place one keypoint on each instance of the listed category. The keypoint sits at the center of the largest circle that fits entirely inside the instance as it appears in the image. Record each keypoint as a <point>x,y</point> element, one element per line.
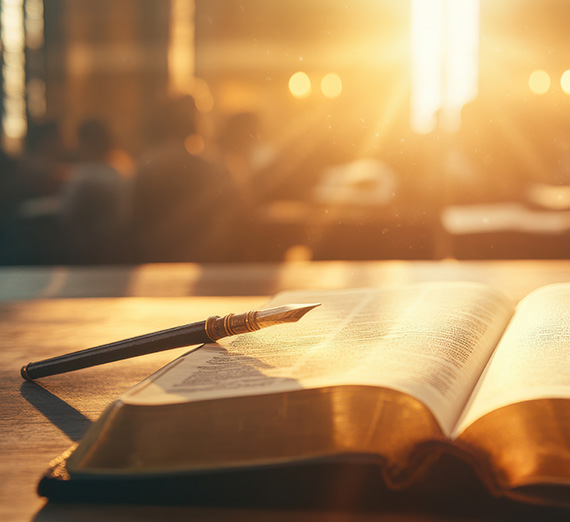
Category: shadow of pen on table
<point>65,417</point>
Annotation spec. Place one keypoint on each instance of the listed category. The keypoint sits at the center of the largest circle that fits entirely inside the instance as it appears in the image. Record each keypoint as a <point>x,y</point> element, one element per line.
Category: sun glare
<point>300,85</point>
<point>445,43</point>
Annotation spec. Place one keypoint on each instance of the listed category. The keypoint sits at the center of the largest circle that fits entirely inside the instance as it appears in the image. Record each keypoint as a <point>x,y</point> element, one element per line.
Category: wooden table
<point>47,311</point>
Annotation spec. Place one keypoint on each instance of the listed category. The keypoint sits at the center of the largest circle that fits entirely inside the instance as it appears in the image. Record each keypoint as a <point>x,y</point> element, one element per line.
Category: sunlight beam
<point>445,47</point>
<point>427,50</point>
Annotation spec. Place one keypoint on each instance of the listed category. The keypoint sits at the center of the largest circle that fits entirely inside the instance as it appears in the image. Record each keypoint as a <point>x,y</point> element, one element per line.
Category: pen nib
<point>232,324</point>
<point>283,314</point>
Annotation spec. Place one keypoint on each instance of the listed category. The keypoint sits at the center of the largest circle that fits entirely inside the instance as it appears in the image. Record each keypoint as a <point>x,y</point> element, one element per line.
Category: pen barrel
<point>144,344</point>
<point>211,330</point>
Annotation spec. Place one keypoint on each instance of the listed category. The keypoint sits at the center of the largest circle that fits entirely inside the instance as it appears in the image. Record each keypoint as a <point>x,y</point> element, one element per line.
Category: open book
<point>396,375</point>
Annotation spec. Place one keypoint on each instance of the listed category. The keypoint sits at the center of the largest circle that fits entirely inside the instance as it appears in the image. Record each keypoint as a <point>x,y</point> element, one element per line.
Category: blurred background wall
<point>375,129</point>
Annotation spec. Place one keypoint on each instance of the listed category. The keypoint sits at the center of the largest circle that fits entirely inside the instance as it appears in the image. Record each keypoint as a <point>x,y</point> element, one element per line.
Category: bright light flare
<point>427,44</point>
<point>445,46</point>
<point>462,54</point>
<point>331,85</point>
<point>539,82</point>
<point>300,85</point>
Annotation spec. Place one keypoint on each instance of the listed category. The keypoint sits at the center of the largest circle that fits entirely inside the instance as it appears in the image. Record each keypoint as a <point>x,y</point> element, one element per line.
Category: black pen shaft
<point>210,330</point>
<point>185,335</point>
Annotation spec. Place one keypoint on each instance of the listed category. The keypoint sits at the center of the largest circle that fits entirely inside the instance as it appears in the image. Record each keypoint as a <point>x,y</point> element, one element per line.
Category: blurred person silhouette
<point>95,202</point>
<point>41,169</point>
<point>244,152</point>
<point>186,207</point>
<point>33,234</point>
<point>479,165</point>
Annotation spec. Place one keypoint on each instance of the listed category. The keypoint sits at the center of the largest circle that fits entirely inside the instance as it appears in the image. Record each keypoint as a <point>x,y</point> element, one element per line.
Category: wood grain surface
<point>38,421</point>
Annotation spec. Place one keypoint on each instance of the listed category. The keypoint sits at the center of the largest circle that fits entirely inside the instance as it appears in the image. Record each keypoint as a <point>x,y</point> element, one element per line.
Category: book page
<point>532,360</point>
<point>430,341</point>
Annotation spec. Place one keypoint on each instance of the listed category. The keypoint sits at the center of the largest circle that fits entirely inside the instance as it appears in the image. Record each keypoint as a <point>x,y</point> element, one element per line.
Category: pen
<point>207,331</point>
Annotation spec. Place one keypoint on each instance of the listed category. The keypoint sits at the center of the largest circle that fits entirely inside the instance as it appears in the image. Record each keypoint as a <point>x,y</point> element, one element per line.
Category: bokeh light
<point>539,82</point>
<point>565,81</point>
<point>300,85</point>
<point>331,85</point>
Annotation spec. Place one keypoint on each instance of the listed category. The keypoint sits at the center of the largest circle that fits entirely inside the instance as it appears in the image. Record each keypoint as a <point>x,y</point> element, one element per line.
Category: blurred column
<point>14,125</point>
<point>181,47</point>
<point>108,60</point>
<point>35,59</point>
